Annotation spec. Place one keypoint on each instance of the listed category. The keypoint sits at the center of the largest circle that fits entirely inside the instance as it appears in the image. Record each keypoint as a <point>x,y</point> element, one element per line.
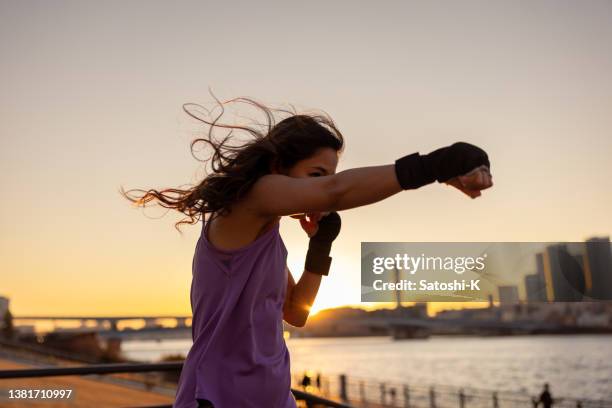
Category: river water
<point>578,366</point>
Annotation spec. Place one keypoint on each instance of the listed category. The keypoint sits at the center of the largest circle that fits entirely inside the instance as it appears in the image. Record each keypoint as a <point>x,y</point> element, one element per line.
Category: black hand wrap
<point>414,171</point>
<point>317,258</point>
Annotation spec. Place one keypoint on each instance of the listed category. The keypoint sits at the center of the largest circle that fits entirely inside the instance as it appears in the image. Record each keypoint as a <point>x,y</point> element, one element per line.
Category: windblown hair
<point>236,167</point>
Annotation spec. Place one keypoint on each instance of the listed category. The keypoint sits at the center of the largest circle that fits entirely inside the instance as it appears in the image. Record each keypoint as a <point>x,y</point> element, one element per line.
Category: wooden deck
<point>88,393</point>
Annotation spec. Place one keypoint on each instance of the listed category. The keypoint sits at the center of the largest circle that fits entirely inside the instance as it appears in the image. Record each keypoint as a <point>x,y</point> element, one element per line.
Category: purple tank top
<point>239,357</point>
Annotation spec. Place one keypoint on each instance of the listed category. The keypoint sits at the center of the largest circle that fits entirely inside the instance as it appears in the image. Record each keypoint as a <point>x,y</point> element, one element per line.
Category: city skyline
<point>555,279</point>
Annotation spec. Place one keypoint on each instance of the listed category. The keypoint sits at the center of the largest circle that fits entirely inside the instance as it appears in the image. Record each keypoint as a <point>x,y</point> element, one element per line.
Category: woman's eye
<point>315,174</point>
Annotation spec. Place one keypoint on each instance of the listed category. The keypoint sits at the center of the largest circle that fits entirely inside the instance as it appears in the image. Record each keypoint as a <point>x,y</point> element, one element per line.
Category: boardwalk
<point>87,392</point>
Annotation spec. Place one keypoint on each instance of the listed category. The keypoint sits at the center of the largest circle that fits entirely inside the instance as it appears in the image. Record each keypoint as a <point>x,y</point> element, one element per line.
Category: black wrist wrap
<point>317,258</point>
<point>414,171</point>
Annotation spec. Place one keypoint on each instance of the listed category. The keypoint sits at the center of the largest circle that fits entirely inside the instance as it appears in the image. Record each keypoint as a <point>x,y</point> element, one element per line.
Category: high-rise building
<point>535,288</point>
<point>563,275</point>
<point>508,295</point>
<point>598,267</point>
<point>541,273</point>
<point>398,293</point>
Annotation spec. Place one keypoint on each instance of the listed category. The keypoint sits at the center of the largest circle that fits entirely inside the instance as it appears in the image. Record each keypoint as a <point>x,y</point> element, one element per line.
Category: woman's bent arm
<point>300,297</point>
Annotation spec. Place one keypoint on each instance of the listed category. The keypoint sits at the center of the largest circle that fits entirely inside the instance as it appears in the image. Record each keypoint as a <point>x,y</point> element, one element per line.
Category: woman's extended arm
<point>277,195</point>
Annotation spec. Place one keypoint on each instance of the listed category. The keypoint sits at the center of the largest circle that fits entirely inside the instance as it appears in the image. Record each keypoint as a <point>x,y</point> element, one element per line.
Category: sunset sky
<point>91,101</point>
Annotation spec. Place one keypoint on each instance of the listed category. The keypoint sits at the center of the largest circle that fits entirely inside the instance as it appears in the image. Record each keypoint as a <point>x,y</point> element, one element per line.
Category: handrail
<point>301,395</point>
<point>137,368</point>
<point>90,369</point>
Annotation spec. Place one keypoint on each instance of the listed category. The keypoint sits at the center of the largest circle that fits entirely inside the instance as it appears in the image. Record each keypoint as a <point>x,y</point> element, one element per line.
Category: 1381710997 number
<point>38,394</point>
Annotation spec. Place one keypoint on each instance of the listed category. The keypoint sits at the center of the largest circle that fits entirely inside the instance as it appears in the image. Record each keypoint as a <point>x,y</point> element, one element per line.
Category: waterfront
<point>578,366</point>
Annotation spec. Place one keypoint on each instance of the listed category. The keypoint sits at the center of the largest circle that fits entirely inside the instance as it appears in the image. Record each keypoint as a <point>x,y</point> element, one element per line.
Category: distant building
<point>487,313</point>
<point>28,329</point>
<point>535,288</point>
<point>563,274</point>
<point>540,272</point>
<point>398,293</point>
<point>508,295</point>
<point>4,306</point>
<point>587,319</point>
<point>598,268</point>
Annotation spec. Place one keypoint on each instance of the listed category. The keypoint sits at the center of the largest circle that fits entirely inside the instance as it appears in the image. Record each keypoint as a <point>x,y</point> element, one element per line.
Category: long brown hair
<point>234,168</point>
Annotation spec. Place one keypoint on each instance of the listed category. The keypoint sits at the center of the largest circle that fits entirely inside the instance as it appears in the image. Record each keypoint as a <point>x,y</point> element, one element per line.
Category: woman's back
<point>239,357</point>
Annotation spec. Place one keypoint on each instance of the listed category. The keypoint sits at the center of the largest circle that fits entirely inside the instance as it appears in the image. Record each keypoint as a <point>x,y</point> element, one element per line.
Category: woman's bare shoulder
<point>238,228</point>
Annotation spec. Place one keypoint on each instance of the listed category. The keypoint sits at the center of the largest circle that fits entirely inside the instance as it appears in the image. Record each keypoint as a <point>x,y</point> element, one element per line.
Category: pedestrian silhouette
<point>545,397</point>
<point>392,393</point>
<point>305,381</point>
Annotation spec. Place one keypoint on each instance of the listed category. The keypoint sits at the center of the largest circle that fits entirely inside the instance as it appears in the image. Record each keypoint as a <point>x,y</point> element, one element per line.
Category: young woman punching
<point>241,288</point>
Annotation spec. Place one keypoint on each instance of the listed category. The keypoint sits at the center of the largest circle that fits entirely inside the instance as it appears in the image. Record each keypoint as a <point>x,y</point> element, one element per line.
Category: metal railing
<point>115,368</point>
<point>361,391</point>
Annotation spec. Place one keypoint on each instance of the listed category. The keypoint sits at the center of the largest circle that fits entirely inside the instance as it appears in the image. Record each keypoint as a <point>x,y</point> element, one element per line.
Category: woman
<point>242,289</point>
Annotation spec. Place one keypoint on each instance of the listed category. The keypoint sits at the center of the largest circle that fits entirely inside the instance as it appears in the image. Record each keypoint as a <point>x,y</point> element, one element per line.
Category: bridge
<point>106,325</point>
<point>397,326</point>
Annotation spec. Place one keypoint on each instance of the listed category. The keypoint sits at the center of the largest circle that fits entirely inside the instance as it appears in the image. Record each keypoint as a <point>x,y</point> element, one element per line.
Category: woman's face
<point>322,163</point>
